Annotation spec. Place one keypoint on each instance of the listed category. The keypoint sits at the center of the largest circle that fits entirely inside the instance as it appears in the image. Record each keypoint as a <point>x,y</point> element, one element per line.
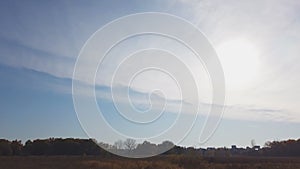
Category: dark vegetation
<point>157,162</point>
<point>71,146</point>
<point>86,154</point>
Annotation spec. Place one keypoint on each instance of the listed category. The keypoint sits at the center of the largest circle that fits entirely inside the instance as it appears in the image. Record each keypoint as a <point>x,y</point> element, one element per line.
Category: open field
<point>159,162</point>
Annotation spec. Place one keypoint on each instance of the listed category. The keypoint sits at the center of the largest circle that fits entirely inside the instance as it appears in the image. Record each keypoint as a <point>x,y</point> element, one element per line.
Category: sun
<point>240,62</point>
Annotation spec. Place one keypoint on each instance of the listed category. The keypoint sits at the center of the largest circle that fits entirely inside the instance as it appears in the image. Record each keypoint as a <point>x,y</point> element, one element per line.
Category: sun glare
<point>239,58</point>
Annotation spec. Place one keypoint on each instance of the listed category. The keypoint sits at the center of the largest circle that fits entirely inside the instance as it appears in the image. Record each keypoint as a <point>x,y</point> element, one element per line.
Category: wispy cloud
<point>49,42</point>
<point>258,113</point>
<point>45,81</point>
<point>15,54</point>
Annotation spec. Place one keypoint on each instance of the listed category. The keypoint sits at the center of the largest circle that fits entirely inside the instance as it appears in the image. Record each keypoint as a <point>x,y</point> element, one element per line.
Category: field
<point>159,162</point>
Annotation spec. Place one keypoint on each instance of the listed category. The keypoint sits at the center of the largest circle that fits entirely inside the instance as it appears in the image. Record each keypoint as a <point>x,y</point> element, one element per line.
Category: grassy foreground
<point>159,162</point>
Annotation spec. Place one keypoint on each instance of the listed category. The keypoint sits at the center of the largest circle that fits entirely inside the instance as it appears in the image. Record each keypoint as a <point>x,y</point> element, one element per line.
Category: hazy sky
<point>258,43</point>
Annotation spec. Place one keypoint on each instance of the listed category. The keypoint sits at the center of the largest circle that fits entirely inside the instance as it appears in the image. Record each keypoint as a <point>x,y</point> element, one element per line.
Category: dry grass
<point>160,162</point>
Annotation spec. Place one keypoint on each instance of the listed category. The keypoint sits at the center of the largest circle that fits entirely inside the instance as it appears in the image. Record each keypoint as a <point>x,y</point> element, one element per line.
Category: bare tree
<point>129,144</point>
<point>119,144</point>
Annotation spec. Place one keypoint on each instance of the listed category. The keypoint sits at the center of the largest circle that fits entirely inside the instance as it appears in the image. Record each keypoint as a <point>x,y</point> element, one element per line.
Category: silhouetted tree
<point>146,148</point>
<point>119,144</point>
<point>71,146</point>
<point>5,148</point>
<point>130,144</point>
<point>16,147</point>
<point>165,145</point>
<point>282,148</point>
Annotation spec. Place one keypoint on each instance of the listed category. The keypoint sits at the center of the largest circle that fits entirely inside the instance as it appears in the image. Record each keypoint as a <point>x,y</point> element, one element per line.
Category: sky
<point>256,41</point>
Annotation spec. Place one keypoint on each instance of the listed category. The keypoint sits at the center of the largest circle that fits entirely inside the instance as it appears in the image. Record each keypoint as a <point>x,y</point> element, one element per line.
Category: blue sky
<point>40,41</point>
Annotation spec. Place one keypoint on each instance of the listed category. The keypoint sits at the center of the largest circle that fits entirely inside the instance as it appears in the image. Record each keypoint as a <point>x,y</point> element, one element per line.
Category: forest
<point>70,153</point>
<point>72,146</point>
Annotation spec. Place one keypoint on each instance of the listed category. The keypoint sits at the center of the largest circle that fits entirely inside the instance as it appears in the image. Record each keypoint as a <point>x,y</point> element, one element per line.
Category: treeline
<point>71,146</point>
<point>282,148</point>
<point>52,146</point>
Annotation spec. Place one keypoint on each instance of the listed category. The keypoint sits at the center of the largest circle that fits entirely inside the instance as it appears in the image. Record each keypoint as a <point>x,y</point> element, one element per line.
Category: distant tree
<point>39,147</point>
<point>67,146</point>
<point>165,145</point>
<point>119,144</point>
<point>5,148</point>
<point>17,147</point>
<point>129,144</point>
<point>282,148</point>
<point>146,148</point>
<point>91,148</point>
<point>71,146</point>
<point>27,148</point>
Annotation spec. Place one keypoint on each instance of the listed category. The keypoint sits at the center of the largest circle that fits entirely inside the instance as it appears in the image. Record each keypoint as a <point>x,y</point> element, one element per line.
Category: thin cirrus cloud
<point>15,54</point>
<point>49,40</point>
<point>139,98</point>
